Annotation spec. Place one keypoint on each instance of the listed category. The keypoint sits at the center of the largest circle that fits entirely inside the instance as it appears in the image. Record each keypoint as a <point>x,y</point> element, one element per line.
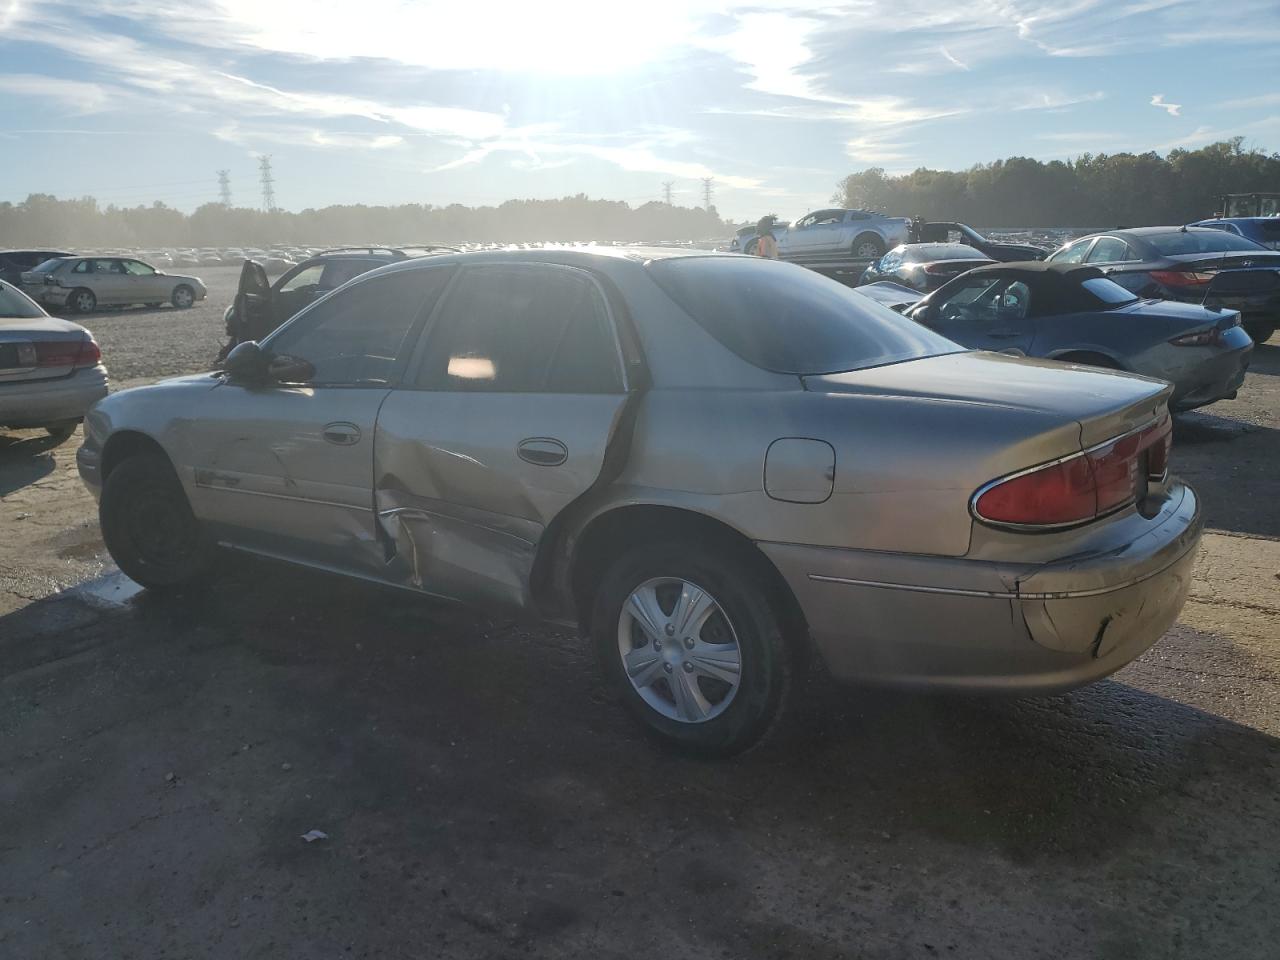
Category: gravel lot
<point>483,796</point>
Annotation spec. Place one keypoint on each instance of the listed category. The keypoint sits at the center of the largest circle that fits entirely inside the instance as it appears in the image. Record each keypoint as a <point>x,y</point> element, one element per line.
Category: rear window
<point>15,304</point>
<point>1108,291</point>
<point>1206,241</point>
<point>787,319</point>
<point>48,265</point>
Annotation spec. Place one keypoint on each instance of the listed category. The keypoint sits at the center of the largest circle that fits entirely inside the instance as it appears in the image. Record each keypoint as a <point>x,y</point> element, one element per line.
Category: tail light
<point>67,353</point>
<point>1205,338</point>
<point>1081,487</point>
<point>1182,278</point>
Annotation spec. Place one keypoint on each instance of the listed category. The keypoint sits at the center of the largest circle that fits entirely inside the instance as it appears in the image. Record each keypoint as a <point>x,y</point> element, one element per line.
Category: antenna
<point>707,191</point>
<point>268,192</point>
<point>224,187</point>
<point>666,191</point>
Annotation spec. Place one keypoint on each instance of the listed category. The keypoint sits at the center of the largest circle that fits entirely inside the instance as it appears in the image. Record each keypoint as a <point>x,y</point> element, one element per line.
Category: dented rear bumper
<point>982,626</point>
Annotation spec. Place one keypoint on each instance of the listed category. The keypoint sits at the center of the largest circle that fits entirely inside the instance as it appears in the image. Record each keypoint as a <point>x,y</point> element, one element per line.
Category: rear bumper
<point>42,402</point>
<point>978,626</point>
<point>1216,379</point>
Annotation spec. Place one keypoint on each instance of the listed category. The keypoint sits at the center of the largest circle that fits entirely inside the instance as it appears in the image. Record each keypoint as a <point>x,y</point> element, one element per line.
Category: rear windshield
<point>48,265</point>
<point>1108,291</point>
<point>1199,241</point>
<point>15,304</point>
<point>787,319</point>
<point>931,252</point>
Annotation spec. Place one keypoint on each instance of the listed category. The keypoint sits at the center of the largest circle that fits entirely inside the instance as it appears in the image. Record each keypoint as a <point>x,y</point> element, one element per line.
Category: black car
<point>946,231</point>
<point>260,305</point>
<point>14,262</point>
<point>1191,265</point>
<point>924,266</point>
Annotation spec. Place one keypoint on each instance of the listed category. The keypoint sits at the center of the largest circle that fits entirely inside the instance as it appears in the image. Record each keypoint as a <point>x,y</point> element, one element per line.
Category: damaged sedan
<point>715,466</point>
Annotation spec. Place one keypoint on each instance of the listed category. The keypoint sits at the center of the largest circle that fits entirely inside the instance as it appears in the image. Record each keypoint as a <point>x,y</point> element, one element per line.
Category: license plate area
<point>17,356</point>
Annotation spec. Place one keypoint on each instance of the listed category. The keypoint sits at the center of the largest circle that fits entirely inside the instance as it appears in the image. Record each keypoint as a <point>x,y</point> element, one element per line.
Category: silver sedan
<point>713,464</point>
<point>82,284</point>
<point>51,370</point>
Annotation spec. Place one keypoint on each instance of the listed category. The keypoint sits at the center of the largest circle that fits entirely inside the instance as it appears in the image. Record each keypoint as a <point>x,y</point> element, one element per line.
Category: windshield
<point>787,319</point>
<point>48,265</point>
<point>15,304</point>
<point>1198,241</point>
<point>1108,291</point>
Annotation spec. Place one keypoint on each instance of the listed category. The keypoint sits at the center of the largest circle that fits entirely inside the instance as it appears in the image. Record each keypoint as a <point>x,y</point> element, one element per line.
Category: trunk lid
<point>31,348</point>
<point>1104,403</point>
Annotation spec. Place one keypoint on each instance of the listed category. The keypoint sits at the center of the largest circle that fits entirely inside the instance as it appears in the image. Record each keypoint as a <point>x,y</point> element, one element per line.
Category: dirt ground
<point>483,796</point>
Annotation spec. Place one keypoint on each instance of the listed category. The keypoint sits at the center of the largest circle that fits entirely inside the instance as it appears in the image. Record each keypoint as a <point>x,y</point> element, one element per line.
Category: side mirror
<point>248,363</point>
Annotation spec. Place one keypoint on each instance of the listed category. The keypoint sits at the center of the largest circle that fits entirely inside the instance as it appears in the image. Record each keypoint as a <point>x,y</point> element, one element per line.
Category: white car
<point>82,284</point>
<point>51,370</point>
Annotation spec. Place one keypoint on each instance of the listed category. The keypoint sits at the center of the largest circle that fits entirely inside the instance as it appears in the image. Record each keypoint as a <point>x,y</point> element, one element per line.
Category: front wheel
<point>183,296</point>
<point>148,526</point>
<point>691,641</point>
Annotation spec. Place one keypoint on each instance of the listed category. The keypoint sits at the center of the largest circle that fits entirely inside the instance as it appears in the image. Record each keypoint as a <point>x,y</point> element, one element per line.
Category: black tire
<point>1090,360</point>
<point>769,665</point>
<point>82,300</point>
<point>751,246</point>
<point>62,430</point>
<point>1260,330</point>
<point>183,296</point>
<point>148,526</point>
<point>867,245</point>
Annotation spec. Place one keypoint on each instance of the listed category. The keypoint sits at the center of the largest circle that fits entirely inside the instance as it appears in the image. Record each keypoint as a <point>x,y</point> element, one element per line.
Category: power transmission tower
<point>224,187</point>
<point>268,191</point>
<point>666,191</point>
<point>706,191</point>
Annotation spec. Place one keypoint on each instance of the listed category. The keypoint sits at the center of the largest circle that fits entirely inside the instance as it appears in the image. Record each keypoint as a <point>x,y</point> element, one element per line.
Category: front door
<point>287,468</point>
<point>109,282</point>
<point>985,312</point>
<point>504,421</point>
<point>145,285</point>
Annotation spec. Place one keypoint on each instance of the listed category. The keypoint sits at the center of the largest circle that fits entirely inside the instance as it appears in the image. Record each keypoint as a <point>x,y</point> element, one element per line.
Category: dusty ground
<point>484,797</point>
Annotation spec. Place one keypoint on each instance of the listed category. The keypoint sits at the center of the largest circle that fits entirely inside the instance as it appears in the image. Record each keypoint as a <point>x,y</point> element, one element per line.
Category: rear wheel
<point>82,300</point>
<point>692,642</point>
<point>62,430</point>
<point>868,246</point>
<point>1260,330</point>
<point>148,526</point>
<point>183,296</point>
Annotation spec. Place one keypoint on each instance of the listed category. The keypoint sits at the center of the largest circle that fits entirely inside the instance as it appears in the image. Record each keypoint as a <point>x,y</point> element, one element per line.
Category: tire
<point>722,718</point>
<point>867,245</point>
<point>1090,360</point>
<point>82,300</point>
<point>62,430</point>
<point>751,246</point>
<point>1260,330</point>
<point>148,526</point>
<point>183,296</point>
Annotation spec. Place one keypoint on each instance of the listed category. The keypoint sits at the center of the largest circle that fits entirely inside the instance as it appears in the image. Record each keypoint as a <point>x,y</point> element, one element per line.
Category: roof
<point>569,255</point>
<point>1055,287</point>
<point>1152,231</point>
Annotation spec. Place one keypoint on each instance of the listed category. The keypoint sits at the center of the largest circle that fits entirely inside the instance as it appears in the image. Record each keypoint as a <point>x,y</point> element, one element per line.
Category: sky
<point>398,101</point>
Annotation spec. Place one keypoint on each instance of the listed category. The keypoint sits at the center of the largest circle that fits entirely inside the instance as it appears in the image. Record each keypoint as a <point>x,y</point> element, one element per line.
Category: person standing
<point>766,246</point>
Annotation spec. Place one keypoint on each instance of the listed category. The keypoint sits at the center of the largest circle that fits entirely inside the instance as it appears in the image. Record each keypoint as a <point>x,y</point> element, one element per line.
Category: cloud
<point>952,59</point>
<point>78,97</point>
<point>1174,109</point>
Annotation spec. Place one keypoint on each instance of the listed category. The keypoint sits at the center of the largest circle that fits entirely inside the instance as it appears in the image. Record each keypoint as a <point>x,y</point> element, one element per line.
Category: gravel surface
<point>480,794</point>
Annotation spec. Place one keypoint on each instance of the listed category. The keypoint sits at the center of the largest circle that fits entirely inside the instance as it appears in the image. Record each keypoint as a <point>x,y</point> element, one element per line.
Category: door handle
<point>542,451</point>
<point>342,434</point>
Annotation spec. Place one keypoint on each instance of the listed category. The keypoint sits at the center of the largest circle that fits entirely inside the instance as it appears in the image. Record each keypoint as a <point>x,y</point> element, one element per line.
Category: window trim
<point>419,354</point>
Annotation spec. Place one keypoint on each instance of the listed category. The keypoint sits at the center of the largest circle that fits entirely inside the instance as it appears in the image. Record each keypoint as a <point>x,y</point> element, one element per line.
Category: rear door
<point>287,468</point>
<point>503,422</point>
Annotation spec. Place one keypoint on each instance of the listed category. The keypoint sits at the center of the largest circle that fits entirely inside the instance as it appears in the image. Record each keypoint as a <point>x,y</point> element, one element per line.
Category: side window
<point>355,337</point>
<point>1015,301</point>
<point>338,272</point>
<point>138,269</point>
<point>84,266</point>
<point>306,277</point>
<point>1074,253</point>
<point>857,215</point>
<point>979,302</point>
<point>523,329</point>
<point>1109,250</point>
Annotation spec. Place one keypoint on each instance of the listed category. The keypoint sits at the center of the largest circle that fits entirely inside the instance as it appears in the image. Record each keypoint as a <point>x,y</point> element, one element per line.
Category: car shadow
<point>1230,493</point>
<point>25,459</point>
<point>1265,358</point>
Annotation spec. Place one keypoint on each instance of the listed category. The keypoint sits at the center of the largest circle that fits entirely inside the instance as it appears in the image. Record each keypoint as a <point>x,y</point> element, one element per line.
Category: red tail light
<point>1182,278</point>
<point>67,353</point>
<point>1081,487</point>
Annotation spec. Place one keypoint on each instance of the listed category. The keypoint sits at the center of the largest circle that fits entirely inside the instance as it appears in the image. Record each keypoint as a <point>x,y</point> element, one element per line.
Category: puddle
<point>112,589</point>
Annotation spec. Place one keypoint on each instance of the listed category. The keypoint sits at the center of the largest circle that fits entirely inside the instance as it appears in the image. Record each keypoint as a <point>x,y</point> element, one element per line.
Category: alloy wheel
<point>679,650</point>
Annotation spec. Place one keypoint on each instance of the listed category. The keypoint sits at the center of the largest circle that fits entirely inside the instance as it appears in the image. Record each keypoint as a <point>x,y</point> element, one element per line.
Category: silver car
<point>51,370</point>
<point>713,464</point>
<point>840,234</point>
<point>82,284</point>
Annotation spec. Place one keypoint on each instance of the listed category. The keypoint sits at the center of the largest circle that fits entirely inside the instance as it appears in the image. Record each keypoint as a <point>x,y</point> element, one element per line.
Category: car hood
<point>1104,402</point>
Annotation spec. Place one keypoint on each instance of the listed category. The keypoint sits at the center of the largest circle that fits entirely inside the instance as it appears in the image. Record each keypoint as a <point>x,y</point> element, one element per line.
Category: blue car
<point>1261,230</point>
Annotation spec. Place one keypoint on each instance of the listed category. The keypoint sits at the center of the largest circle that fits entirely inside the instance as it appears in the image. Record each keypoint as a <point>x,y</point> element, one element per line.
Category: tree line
<point>1118,189</point>
<point>44,220</point>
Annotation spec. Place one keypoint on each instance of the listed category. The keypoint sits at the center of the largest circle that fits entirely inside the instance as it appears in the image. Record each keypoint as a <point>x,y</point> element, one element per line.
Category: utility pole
<point>666,191</point>
<point>224,187</point>
<point>268,191</point>
<point>706,191</point>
